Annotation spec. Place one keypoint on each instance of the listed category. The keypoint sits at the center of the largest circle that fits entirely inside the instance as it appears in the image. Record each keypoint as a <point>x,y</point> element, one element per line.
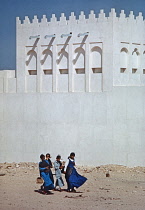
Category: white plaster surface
<point>1,85</point>
<point>108,126</point>
<point>47,83</point>
<point>100,116</point>
<point>12,85</point>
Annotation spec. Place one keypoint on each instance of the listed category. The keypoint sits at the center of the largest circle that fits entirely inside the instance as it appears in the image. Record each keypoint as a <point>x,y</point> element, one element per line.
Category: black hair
<point>48,154</point>
<point>42,156</point>
<point>72,154</point>
<point>58,157</point>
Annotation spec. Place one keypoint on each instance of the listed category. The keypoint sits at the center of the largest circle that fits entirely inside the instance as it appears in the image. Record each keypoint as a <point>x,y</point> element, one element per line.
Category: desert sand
<point>124,189</point>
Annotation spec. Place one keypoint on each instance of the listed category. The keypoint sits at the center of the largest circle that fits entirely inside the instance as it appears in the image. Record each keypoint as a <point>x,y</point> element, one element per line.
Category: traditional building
<point>79,85</point>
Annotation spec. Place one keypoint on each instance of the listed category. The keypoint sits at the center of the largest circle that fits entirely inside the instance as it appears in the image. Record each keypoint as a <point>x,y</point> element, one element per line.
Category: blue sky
<point>10,9</point>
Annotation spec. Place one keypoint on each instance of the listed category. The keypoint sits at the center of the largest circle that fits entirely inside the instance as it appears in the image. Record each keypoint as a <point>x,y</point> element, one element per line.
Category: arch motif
<point>135,59</point>
<point>63,61</point>
<point>124,50</point>
<point>79,60</point>
<point>46,61</point>
<point>123,59</point>
<point>31,62</point>
<point>96,59</point>
<point>144,59</point>
<point>143,62</point>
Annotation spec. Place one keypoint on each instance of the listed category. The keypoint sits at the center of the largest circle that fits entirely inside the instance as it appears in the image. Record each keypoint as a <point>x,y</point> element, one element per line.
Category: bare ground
<point>124,189</point>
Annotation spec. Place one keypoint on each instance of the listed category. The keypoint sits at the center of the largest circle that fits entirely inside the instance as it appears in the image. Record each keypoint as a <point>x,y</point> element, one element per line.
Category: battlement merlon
<point>82,18</point>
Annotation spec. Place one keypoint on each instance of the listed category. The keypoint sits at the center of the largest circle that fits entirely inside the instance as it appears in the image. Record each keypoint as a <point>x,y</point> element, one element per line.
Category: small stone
<point>8,166</point>
<point>2,174</point>
<point>107,174</point>
<point>136,186</point>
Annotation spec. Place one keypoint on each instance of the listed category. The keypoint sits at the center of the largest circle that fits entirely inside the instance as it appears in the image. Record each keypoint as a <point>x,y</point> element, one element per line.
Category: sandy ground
<point>124,189</point>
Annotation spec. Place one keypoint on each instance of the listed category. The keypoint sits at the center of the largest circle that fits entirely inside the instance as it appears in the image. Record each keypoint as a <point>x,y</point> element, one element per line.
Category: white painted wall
<point>100,116</point>
<point>102,128</point>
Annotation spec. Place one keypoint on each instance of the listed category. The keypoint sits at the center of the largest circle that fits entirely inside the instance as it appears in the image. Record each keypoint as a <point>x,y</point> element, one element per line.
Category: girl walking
<point>44,173</point>
<point>58,166</point>
<point>73,179</point>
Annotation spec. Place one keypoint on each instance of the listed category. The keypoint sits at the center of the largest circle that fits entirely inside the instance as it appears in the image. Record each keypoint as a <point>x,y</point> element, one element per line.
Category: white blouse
<point>67,162</point>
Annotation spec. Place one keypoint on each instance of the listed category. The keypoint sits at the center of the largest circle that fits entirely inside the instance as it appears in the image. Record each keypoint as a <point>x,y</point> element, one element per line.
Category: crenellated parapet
<point>81,79</point>
<point>80,54</point>
<point>82,18</point>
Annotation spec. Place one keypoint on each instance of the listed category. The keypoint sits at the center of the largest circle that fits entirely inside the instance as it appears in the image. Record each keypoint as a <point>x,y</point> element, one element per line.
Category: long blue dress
<point>44,173</point>
<point>73,179</point>
<point>50,172</point>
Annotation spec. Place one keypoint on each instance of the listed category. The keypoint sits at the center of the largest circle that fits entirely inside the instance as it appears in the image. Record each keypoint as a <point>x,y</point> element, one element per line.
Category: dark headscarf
<point>43,164</point>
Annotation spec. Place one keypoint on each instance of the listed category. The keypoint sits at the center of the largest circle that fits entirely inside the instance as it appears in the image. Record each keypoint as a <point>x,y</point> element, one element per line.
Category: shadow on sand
<point>43,193</point>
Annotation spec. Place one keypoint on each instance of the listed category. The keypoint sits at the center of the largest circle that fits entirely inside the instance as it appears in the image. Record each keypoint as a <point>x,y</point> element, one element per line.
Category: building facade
<point>79,85</point>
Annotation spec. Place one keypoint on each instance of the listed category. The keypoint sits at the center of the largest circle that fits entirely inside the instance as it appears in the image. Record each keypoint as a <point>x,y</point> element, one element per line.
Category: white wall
<point>102,128</point>
<point>99,114</point>
<point>108,34</point>
<point>70,53</point>
<point>8,81</point>
<point>129,34</point>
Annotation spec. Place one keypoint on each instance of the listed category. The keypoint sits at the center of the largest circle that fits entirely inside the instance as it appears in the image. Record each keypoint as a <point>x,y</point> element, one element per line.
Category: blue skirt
<point>75,180</point>
<point>48,185</point>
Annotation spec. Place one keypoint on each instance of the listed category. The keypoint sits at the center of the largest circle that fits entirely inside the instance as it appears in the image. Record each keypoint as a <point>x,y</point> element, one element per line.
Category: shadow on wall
<point>47,51</point>
<point>80,50</point>
<point>32,50</point>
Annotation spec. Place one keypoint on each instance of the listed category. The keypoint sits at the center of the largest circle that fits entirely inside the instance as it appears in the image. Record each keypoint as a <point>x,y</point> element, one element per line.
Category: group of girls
<point>73,179</point>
